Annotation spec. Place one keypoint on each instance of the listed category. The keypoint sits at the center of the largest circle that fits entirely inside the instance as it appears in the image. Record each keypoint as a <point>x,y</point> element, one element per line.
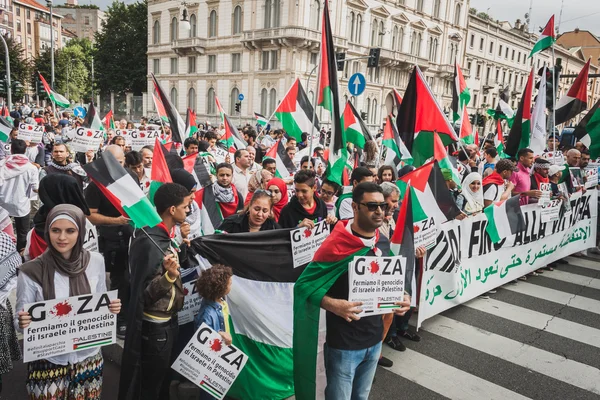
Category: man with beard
<point>59,164</point>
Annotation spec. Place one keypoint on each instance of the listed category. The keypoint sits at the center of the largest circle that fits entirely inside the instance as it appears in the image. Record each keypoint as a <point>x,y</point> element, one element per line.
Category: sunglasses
<point>373,206</point>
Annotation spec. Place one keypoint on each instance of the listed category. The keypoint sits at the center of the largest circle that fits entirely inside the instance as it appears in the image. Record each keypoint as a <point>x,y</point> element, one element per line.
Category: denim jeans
<point>350,373</point>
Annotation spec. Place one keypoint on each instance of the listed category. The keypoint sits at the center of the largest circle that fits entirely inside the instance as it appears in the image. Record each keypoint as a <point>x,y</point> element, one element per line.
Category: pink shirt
<point>522,181</point>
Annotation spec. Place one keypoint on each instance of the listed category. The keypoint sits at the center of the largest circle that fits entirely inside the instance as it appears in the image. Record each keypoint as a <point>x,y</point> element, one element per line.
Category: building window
<point>156,32</point>
<point>374,112</point>
<point>500,51</point>
<point>192,99</point>
<point>315,13</point>
<point>472,41</point>
<point>272,101</point>
<point>374,26</point>
<point>233,98</point>
<point>359,22</point>
<point>433,46</point>
<point>519,57</point>
<point>29,28</point>
<point>420,5</point>
<point>512,58</point>
<point>156,66</point>
<point>457,11</point>
<point>436,8</point>
<point>381,34</point>
<point>18,11</point>
<point>491,47</point>
<point>237,20</point>
<point>481,42</point>
<point>236,62</point>
<point>394,37</point>
<point>506,52</point>
<point>212,24</point>
<point>352,25</point>
<point>415,44</point>
<point>263,102</point>
<point>269,60</point>
<point>191,65</point>
<point>29,46</point>
<point>212,63</point>
<point>271,14</point>
<point>174,66</point>
<point>401,39</point>
<point>28,13</point>
<point>478,74</point>
<point>313,58</point>
<point>173,97</point>
<point>174,29</point>
<point>18,26</point>
<point>210,101</point>
<point>86,20</point>
<point>193,26</point>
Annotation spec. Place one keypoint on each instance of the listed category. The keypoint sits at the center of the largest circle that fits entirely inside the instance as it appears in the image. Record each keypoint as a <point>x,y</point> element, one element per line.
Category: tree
<point>20,68</point>
<point>121,62</point>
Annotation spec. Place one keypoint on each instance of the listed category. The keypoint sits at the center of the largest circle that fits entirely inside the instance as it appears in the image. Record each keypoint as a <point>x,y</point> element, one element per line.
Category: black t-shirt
<point>355,335</point>
<point>96,199</point>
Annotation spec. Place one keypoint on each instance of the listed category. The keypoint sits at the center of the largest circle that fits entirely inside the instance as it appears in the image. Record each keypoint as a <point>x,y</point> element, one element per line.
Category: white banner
<point>84,139</point>
<point>465,263</point>
<point>305,242</point>
<point>209,363</point>
<point>67,325</point>
<point>90,241</point>
<point>31,133</point>
<point>140,139</point>
<point>126,134</point>
<point>191,303</point>
<point>219,154</point>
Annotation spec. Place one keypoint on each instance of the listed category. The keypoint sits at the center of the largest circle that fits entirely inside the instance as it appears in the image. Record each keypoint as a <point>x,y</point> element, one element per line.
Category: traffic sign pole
<point>357,84</point>
<point>240,98</point>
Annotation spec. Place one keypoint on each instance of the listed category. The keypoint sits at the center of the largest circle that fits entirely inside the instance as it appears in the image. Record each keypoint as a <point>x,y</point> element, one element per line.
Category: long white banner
<point>465,263</point>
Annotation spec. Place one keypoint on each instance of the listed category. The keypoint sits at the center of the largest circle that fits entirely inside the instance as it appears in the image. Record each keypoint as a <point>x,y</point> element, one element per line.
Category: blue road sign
<point>241,97</point>
<point>357,84</point>
<point>79,112</point>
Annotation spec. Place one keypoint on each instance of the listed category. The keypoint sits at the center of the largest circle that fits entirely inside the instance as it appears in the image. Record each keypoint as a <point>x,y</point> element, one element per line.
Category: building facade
<point>83,21</point>
<point>6,18</point>
<point>258,49</point>
<point>32,27</point>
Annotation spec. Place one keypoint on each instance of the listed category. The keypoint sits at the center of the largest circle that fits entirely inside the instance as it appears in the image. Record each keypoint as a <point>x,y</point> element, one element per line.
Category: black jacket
<point>238,223</point>
<point>293,213</point>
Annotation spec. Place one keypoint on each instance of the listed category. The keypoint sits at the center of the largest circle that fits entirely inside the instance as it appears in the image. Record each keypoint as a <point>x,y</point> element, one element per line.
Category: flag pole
<point>153,242</point>
<point>314,116</point>
<point>553,101</point>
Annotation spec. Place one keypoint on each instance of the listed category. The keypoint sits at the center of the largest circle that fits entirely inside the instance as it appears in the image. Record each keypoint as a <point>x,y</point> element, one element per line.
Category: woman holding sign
<point>65,269</point>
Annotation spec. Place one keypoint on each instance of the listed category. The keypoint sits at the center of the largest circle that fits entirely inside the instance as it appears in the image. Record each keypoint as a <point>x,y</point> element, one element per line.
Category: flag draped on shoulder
<point>285,166</point>
<point>175,121</point>
<point>588,131</point>
<point>546,39</point>
<point>396,153</point>
<point>504,219</point>
<point>58,99</point>
<point>520,133</point>
<point>92,119</point>
<point>460,94</point>
<point>295,112</point>
<point>355,128</point>
<point>329,98</point>
<point>190,123</point>
<point>419,117</point>
<point>159,174</point>
<point>122,191</point>
<point>575,101</point>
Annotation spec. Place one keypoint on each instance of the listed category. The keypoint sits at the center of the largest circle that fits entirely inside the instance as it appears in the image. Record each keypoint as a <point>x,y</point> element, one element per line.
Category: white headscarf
<point>474,200</point>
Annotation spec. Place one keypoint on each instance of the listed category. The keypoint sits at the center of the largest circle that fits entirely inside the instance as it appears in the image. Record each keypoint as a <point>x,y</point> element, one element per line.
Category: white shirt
<point>493,193</point>
<point>30,292</point>
<point>240,180</point>
<point>345,210</point>
<point>15,193</point>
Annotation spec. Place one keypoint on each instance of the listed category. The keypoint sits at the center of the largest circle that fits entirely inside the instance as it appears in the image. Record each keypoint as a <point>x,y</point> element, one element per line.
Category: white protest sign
<point>85,139</point>
<point>191,303</point>
<point>208,362</point>
<point>425,232</point>
<point>546,191</point>
<point>377,282</point>
<point>125,134</point>
<point>67,325</point>
<point>90,241</point>
<point>305,242</point>
<point>140,139</point>
<point>551,211</point>
<point>555,157</point>
<point>591,177</point>
<point>219,154</point>
<point>32,133</point>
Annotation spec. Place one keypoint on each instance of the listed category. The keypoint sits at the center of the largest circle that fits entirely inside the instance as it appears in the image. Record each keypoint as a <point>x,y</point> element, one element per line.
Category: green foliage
<point>121,62</point>
<point>473,11</point>
<point>20,69</point>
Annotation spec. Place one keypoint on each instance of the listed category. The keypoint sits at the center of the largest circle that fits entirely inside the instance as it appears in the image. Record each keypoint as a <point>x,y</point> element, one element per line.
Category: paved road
<point>538,339</point>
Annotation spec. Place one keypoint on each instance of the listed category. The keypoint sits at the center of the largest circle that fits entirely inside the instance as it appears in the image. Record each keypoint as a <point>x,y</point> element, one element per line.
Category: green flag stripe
<point>491,228</point>
<point>143,213</point>
<point>542,44</point>
<point>289,125</point>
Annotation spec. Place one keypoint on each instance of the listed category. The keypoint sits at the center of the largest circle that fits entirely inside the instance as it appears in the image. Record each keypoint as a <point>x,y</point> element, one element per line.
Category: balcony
<point>189,46</point>
<point>289,36</point>
<point>391,58</point>
<point>446,70</point>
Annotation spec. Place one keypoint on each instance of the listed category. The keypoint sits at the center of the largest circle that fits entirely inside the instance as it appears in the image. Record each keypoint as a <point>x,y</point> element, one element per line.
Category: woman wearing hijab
<point>255,217</point>
<point>278,189</point>
<point>65,269</point>
<point>471,196</point>
<point>9,345</point>
<point>54,189</point>
<point>258,181</point>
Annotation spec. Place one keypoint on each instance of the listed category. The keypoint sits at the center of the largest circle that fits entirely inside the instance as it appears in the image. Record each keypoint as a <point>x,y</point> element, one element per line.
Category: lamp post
<point>49,4</point>
<point>8,84</point>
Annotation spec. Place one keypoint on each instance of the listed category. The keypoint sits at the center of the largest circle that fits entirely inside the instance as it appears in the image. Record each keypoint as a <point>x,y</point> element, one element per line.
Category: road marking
<point>555,296</point>
<point>443,378</point>
<point>582,262</point>
<point>573,278</point>
<point>542,361</point>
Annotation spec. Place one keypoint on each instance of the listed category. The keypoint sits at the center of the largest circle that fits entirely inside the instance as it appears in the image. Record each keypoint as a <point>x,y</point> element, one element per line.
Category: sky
<point>576,13</point>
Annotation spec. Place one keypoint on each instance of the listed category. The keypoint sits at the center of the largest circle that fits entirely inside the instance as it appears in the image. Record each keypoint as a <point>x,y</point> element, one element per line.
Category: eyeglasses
<point>372,206</point>
<point>267,192</point>
<point>327,193</point>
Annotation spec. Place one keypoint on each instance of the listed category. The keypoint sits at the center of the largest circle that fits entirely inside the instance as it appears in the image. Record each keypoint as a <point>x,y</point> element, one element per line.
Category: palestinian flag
<point>402,243</point>
<point>295,113</point>
<point>261,307</point>
<point>58,99</point>
<point>261,119</point>
<point>220,109</point>
<point>547,38</point>
<point>538,118</point>
<point>396,153</point>
<point>398,100</point>
<point>285,166</point>
<point>6,114</point>
<point>109,121</point>
<point>232,139</point>
<point>354,127</point>
<point>503,109</point>
<point>159,173</point>
<point>499,140</point>
<point>466,129</point>
<point>441,156</point>
<point>504,219</point>
<point>576,99</point>
<point>520,133</point>
<point>195,164</point>
<point>122,191</point>
<point>175,121</point>
<point>419,117</point>
<point>213,212</point>
<point>5,129</point>
<point>160,109</point>
<point>430,195</point>
<point>92,119</point>
<point>329,98</point>
<point>190,124</point>
<point>329,263</point>
<point>588,131</point>
<point>460,93</point>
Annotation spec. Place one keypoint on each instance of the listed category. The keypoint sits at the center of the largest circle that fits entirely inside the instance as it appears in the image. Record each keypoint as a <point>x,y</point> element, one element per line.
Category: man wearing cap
<point>497,186</point>
<point>539,176</point>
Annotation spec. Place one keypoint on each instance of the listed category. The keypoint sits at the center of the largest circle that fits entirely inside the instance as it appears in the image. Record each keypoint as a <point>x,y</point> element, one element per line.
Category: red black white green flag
<point>56,98</point>
<point>355,128</point>
<point>190,123</point>
<point>546,39</point>
<point>176,123</point>
<point>396,153</point>
<point>285,166</point>
<point>588,131</point>
<point>460,94</point>
<point>232,139</point>
<point>159,173</point>
<point>419,117</point>
<point>295,113</point>
<point>575,101</point>
<point>92,119</point>
<point>197,165</point>
<point>397,100</point>
<point>520,133</point>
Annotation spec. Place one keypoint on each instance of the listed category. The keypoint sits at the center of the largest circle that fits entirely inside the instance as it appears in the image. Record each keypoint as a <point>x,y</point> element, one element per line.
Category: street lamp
<point>49,4</point>
<point>8,85</point>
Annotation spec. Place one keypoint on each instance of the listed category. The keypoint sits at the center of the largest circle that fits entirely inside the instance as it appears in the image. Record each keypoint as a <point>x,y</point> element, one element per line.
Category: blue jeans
<point>350,373</point>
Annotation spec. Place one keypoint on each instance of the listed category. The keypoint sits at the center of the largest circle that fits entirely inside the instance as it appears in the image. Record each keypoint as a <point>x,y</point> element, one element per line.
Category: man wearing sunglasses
<point>353,342</point>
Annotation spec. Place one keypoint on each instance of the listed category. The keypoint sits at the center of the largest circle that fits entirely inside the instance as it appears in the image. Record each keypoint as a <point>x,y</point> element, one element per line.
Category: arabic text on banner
<point>305,242</point>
